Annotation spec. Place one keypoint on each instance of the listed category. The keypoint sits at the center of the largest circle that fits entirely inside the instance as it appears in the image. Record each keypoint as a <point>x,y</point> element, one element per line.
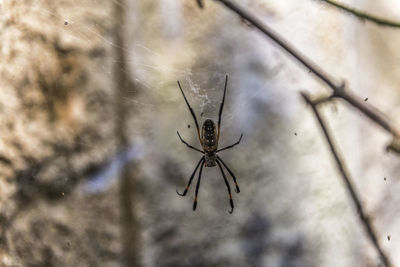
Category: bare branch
<point>338,89</point>
<point>362,15</point>
<point>311,66</point>
<point>373,113</point>
<point>394,146</point>
<point>350,187</point>
<point>200,3</point>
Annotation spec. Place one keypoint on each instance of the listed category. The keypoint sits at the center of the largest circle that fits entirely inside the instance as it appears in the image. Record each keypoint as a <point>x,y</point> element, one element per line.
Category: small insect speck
<point>384,178</point>
<point>295,134</point>
<point>188,125</point>
<point>366,99</point>
<point>65,23</point>
<point>388,237</point>
<point>201,115</point>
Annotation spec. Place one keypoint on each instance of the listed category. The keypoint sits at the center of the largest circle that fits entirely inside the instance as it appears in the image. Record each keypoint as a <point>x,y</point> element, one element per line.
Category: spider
<point>209,141</point>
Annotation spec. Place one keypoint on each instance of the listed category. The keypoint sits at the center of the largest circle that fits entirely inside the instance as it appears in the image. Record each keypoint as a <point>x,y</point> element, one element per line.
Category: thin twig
<point>362,15</point>
<point>350,187</point>
<point>338,89</point>
<point>323,99</point>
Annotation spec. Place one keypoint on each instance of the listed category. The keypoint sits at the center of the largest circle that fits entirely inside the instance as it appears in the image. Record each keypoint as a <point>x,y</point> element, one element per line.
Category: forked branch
<point>349,185</point>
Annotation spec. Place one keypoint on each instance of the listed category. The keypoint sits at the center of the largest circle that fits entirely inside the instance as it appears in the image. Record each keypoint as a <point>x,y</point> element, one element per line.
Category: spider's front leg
<point>191,112</point>
<point>228,147</point>
<point>221,107</point>
<point>192,147</point>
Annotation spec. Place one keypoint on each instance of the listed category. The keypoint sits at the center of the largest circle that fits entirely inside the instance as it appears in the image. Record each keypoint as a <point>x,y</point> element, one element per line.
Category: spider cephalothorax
<point>209,142</point>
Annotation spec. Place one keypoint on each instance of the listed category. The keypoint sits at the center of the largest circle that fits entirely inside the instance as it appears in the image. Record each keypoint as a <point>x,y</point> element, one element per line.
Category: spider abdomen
<point>209,136</point>
<point>210,145</point>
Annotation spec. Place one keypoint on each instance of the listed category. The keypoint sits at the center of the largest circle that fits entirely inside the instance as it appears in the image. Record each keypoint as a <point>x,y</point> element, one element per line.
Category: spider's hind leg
<point>237,190</point>
<point>191,178</point>
<point>198,186</point>
<point>227,185</point>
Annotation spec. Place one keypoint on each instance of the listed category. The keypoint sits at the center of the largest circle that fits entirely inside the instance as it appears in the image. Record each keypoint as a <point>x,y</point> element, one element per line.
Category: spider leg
<point>191,178</point>
<point>192,112</point>
<point>237,190</point>
<point>227,185</point>
<point>197,186</point>
<point>227,147</point>
<point>221,107</point>
<point>192,147</point>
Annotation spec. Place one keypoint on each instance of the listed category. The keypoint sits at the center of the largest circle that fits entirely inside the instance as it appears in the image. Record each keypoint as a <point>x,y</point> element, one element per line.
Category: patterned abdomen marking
<point>209,136</point>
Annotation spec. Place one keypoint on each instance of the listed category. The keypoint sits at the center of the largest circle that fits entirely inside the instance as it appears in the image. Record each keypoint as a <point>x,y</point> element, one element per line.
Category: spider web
<point>146,63</point>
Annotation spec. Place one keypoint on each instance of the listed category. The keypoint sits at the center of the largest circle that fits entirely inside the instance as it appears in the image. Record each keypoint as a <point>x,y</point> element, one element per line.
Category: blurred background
<point>90,159</point>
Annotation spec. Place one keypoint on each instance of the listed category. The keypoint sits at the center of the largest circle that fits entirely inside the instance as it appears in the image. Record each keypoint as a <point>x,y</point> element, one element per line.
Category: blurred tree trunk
<point>129,225</point>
